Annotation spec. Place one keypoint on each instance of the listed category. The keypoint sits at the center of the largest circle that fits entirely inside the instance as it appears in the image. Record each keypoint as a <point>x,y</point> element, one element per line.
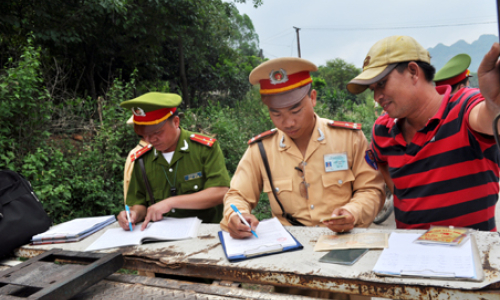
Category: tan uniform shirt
<point>129,166</point>
<point>358,188</point>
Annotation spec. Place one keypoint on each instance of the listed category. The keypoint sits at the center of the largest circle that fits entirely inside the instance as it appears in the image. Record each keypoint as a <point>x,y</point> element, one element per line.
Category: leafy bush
<point>73,151</point>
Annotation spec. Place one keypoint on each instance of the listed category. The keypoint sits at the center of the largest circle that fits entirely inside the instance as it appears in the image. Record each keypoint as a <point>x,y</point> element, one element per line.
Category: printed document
<point>164,230</point>
<point>404,257</point>
<point>273,237</point>
<point>363,240</point>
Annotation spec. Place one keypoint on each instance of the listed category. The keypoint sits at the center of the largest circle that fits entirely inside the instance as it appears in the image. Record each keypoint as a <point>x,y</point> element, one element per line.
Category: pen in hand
<point>243,219</point>
<point>127,210</point>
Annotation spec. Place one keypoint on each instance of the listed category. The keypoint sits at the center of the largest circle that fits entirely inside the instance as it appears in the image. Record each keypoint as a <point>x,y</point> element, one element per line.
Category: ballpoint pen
<point>243,219</point>
<point>127,210</point>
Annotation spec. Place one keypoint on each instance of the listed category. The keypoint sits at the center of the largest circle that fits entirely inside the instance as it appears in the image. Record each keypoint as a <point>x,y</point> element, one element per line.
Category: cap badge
<point>366,62</point>
<point>137,111</point>
<point>278,77</point>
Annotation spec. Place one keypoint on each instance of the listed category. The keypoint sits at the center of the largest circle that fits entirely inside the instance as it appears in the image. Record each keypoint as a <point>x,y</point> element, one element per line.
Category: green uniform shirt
<point>194,167</point>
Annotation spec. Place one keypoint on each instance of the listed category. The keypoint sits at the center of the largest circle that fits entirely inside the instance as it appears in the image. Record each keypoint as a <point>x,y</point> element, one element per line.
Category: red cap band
<point>294,81</point>
<point>454,80</point>
<point>154,117</point>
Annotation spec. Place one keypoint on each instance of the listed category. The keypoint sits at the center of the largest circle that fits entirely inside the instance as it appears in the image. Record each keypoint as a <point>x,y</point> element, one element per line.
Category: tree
<point>86,44</point>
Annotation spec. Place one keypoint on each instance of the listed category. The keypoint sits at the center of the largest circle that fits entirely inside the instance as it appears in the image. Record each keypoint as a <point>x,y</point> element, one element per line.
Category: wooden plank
<point>42,278</point>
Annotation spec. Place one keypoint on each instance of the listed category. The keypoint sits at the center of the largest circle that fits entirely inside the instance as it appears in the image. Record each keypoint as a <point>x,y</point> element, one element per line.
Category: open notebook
<point>273,238</point>
<point>168,229</point>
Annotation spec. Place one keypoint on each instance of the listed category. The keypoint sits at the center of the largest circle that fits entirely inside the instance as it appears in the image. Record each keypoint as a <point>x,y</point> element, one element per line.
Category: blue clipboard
<point>265,251</point>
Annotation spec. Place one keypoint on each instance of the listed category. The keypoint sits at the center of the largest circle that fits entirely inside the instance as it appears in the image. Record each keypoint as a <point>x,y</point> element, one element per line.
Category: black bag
<point>21,214</point>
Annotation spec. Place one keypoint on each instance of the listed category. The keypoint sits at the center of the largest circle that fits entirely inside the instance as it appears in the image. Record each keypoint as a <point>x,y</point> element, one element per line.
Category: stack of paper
<point>72,231</point>
<point>404,257</point>
<point>168,229</point>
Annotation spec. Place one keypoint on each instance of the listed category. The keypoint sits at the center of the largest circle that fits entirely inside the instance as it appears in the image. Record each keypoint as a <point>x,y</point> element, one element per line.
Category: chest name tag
<point>192,176</point>
<point>335,162</point>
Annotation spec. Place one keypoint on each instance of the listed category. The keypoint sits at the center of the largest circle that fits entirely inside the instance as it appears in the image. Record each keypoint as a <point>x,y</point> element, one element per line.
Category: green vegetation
<point>60,88</point>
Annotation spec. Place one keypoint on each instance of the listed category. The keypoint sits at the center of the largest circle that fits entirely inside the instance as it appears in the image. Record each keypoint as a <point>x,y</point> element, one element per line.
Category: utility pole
<point>298,40</point>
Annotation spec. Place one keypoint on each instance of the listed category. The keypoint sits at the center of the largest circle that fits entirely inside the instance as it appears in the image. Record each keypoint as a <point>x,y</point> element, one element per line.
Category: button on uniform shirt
<point>194,167</point>
<point>358,187</point>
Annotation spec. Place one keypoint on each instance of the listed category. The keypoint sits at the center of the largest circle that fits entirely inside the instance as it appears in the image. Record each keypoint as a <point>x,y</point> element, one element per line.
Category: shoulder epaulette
<point>141,152</point>
<point>343,124</point>
<point>262,136</point>
<point>201,139</point>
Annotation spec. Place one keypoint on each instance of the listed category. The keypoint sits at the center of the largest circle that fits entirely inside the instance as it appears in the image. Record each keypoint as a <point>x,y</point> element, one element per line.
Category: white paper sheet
<point>272,236</point>
<point>404,257</point>
<point>164,230</point>
<point>75,227</point>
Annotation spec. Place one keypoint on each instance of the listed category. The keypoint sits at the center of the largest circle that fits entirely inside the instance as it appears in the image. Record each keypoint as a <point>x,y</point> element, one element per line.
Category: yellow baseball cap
<point>283,81</point>
<point>384,56</point>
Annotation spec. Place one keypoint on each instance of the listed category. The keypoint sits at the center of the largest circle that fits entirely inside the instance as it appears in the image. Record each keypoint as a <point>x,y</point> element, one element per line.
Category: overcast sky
<point>348,28</point>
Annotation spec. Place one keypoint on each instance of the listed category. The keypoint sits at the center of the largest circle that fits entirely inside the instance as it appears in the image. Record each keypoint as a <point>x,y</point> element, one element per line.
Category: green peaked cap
<point>153,101</point>
<point>455,66</point>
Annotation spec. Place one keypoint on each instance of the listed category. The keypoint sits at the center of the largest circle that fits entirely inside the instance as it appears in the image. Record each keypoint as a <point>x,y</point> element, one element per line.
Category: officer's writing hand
<point>341,225</point>
<point>123,221</point>
<point>237,229</point>
<point>488,75</point>
<point>155,212</point>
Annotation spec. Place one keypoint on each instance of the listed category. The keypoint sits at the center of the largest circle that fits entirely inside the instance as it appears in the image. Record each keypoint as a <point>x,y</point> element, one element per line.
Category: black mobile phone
<point>343,256</point>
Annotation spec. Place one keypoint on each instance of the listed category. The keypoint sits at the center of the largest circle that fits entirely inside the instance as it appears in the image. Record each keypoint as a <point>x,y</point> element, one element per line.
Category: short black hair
<point>428,69</point>
<point>463,81</point>
<point>175,113</point>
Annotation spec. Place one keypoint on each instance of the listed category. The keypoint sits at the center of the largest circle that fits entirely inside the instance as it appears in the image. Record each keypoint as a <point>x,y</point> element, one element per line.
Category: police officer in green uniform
<point>455,73</point>
<point>185,170</point>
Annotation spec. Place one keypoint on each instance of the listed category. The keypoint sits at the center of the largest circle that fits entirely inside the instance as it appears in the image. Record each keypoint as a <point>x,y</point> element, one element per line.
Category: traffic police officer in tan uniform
<point>129,164</point>
<point>186,170</point>
<point>319,168</point>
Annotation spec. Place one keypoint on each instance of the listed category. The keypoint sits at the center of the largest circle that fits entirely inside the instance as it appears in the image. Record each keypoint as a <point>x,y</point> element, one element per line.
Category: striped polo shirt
<point>448,174</point>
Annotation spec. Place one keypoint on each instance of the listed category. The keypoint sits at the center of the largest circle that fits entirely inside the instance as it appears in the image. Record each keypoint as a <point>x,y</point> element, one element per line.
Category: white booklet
<point>168,229</point>
<point>74,229</point>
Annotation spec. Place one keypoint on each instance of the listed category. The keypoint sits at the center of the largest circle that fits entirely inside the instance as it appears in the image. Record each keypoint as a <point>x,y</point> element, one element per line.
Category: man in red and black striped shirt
<point>436,150</point>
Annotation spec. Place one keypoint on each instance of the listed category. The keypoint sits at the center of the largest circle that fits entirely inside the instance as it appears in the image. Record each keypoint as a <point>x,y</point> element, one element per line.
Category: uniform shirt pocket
<point>339,183</point>
<point>284,191</point>
<point>281,186</point>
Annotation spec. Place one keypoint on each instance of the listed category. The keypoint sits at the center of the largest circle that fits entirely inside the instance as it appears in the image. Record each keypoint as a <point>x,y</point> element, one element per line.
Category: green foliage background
<point>61,125</point>
<point>78,178</point>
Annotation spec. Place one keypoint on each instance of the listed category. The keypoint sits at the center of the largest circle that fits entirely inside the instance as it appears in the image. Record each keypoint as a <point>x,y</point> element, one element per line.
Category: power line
<point>276,45</point>
<point>281,33</point>
<point>397,27</point>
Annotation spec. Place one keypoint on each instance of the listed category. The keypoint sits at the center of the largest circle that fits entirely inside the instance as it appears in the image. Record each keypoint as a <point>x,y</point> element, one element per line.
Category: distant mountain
<point>441,53</point>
